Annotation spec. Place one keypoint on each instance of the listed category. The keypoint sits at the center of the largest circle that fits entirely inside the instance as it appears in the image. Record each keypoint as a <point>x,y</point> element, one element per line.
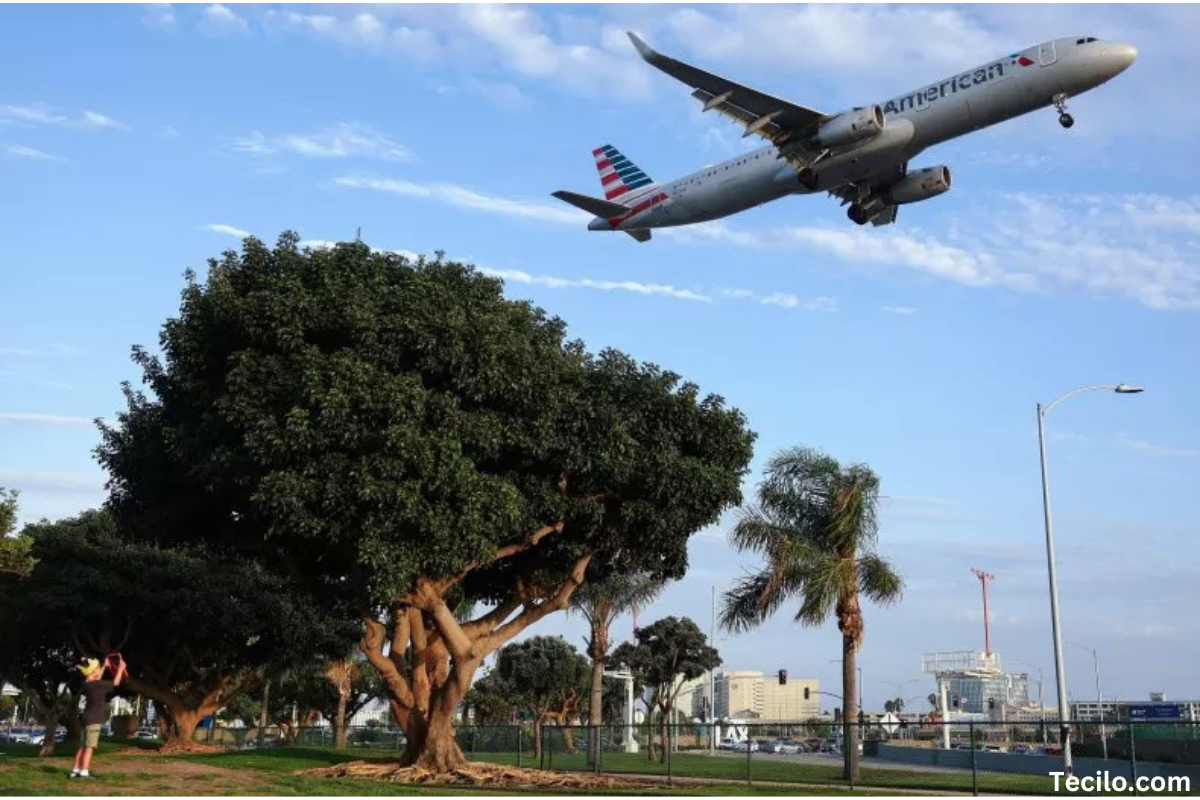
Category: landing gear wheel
<point>858,215</point>
<point>1060,104</point>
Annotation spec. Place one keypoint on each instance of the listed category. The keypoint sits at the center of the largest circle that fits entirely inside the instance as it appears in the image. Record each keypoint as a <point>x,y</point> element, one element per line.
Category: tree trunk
<point>341,722</point>
<point>262,726</point>
<point>47,748</point>
<point>849,711</point>
<point>595,715</point>
<point>183,728</point>
<point>538,723</point>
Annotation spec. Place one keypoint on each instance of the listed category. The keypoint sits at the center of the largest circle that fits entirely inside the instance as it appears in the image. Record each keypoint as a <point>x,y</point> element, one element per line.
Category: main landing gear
<point>1060,103</point>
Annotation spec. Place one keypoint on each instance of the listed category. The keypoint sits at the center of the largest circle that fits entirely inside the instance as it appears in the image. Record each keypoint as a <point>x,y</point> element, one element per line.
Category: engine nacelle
<point>851,127</point>
<point>918,185</point>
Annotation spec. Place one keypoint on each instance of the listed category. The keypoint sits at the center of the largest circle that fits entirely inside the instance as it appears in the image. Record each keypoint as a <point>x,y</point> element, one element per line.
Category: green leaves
<point>668,648</point>
<point>357,421</point>
<point>814,524</point>
<point>542,672</point>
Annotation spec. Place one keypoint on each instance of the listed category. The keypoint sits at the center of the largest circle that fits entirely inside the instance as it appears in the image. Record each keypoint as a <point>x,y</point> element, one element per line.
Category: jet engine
<point>918,185</point>
<point>851,127</point>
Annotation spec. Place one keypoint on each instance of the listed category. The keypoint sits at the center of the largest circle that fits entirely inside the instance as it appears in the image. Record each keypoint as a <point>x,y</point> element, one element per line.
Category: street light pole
<point>1060,675</point>
<point>1099,697</point>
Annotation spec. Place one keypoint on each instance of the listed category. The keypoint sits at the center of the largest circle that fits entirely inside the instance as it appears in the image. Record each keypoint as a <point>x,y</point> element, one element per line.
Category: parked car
<point>781,746</point>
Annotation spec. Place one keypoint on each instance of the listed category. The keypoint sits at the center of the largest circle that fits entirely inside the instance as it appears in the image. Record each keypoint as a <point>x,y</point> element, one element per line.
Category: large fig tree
<point>400,434</point>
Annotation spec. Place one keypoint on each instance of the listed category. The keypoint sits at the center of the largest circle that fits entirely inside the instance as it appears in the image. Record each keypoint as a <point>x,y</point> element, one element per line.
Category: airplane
<point>860,156</point>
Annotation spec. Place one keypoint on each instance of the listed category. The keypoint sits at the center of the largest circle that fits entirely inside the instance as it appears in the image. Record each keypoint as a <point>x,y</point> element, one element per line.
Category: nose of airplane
<point>1120,55</point>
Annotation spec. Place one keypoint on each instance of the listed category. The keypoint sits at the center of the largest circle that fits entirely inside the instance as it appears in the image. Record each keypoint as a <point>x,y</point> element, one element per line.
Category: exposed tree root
<point>475,774</point>
<point>175,748</point>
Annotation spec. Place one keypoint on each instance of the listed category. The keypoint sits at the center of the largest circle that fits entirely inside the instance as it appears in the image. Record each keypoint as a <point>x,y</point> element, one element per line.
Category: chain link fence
<point>962,757</point>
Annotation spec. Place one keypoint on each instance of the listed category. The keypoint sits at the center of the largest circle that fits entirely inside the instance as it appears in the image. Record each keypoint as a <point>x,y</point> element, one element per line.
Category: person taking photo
<point>96,690</point>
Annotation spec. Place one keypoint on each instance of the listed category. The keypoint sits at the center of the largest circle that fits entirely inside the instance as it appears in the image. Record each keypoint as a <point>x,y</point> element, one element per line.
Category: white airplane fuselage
<point>968,101</point>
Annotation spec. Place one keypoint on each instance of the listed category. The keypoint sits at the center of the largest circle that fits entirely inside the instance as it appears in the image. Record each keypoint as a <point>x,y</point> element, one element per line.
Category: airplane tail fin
<point>621,178</point>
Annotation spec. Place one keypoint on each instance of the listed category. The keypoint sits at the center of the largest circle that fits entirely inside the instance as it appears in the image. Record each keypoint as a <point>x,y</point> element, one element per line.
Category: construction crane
<point>984,577</point>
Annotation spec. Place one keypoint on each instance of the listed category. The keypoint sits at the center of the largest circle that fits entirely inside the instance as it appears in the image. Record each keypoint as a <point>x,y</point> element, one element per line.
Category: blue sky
<point>138,141</point>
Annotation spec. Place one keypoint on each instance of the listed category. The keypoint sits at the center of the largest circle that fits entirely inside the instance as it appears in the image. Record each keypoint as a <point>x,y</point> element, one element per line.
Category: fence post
<point>548,748</point>
<point>670,738</point>
<point>1133,757</point>
<point>974,753</point>
<point>519,737</point>
<point>748,754</point>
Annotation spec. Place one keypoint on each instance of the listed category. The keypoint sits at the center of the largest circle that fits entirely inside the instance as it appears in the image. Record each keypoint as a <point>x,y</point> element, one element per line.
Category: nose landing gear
<point>1060,103</point>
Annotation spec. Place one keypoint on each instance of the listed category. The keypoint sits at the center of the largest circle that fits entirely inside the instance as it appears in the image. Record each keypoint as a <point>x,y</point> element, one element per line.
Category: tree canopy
<point>667,653</point>
<point>196,630</point>
<point>546,677</point>
<point>400,434</point>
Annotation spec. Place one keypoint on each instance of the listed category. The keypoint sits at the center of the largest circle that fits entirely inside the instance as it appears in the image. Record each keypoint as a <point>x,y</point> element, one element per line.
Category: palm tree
<point>815,523</point>
<point>601,602</point>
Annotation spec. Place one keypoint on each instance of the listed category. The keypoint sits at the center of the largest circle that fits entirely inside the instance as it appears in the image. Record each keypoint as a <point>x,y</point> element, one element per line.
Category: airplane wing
<point>777,121</point>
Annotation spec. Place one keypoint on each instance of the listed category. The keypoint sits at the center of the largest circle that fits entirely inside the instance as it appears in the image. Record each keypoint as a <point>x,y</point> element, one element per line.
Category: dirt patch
<point>477,774</point>
<point>154,776</point>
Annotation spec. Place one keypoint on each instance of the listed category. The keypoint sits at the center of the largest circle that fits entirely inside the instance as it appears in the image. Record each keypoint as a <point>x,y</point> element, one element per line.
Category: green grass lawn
<point>122,770</point>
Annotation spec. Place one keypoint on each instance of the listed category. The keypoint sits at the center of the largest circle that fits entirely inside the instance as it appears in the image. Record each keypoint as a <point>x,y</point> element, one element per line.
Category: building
<point>1157,709</point>
<point>976,685</point>
<point>745,694</point>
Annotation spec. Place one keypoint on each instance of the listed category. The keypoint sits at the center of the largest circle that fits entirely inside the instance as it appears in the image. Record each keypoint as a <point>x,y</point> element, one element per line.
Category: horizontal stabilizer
<point>592,205</point>
<point>641,234</point>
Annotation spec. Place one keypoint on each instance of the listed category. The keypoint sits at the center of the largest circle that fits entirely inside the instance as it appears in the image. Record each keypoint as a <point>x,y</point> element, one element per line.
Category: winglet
<point>644,50</point>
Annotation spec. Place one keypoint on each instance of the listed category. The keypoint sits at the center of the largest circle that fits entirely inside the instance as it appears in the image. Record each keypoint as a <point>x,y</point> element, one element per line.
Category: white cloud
<point>782,299</point>
<point>219,18</point>
<point>94,119</point>
<point>361,32</point>
<point>50,351</point>
<point>462,197</point>
<point>51,482</point>
<point>899,310</point>
<point>167,132</point>
<point>517,276</point>
<point>1156,450</point>
<point>158,15</point>
<point>1141,246</point>
<point>229,230</point>
<point>21,151</point>
<point>41,114</point>
<point>343,140</point>
<point>47,420</point>
<point>836,38</point>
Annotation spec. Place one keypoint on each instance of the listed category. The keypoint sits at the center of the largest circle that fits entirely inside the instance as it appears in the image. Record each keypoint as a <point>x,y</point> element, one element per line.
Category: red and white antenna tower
<point>984,577</point>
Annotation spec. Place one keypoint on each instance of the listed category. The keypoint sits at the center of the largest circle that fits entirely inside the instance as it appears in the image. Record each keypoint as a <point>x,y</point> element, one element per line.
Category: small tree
<point>601,601</point>
<point>36,654</point>
<point>196,631</point>
<point>815,526</point>
<point>667,653</point>
<point>547,677</point>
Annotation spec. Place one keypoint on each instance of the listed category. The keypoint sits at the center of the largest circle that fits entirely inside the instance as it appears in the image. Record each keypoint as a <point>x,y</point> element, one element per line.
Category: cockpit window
<point>1088,39</point>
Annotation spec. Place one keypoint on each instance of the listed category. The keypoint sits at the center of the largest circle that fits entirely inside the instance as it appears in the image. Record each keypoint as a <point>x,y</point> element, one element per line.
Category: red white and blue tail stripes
<point>619,176</point>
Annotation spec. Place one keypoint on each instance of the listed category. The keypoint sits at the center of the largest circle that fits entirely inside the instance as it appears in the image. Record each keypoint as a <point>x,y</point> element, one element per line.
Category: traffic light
<point>992,703</point>
<point>956,701</point>
<point>783,677</point>
<point>805,692</point>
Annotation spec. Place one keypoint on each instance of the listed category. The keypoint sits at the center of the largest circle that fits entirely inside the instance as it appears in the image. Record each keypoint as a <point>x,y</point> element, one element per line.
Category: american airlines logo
<point>951,86</point>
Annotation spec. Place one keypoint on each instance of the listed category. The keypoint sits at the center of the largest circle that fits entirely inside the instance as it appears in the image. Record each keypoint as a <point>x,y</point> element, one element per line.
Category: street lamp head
<point>1124,388</point>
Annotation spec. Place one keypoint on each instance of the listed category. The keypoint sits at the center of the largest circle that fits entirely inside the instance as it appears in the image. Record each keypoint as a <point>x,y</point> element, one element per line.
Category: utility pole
<point>984,577</point>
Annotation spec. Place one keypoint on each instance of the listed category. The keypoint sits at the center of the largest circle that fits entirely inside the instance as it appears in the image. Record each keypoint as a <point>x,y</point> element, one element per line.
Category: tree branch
<point>534,612</point>
<point>374,635</point>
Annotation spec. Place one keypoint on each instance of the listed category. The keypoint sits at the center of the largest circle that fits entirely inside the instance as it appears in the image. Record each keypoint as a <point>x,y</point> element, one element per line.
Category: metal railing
<point>981,757</point>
